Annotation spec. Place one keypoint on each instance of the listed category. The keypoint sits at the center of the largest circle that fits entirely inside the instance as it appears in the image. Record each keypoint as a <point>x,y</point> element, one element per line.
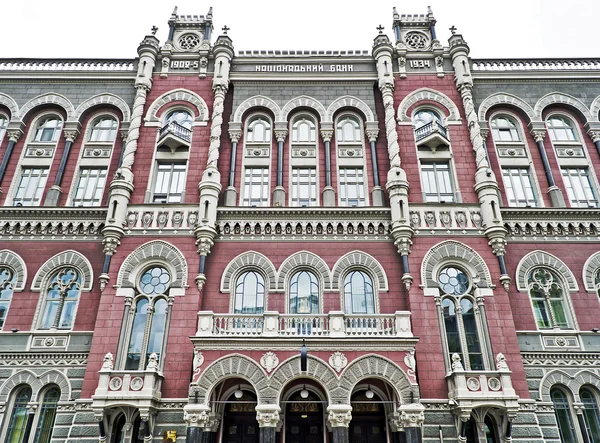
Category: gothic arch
<point>50,98</point>
<point>376,366</point>
<point>178,95</point>
<point>303,101</point>
<point>359,259</point>
<point>306,260</point>
<point>595,109</point>
<point>233,365</point>
<point>590,270</point>
<point>453,251</point>
<point>254,102</point>
<point>350,102</point>
<point>65,258</point>
<point>544,259</point>
<point>156,250</point>
<point>12,106</point>
<point>504,98</point>
<point>17,264</point>
<point>427,94</point>
<point>572,382</point>
<point>317,370</point>
<point>562,99</point>
<point>37,382</point>
<point>250,259</point>
<point>104,99</point>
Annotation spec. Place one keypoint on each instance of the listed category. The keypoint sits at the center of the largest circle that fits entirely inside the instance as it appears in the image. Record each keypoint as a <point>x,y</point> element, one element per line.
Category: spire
<point>209,15</point>
<point>174,13</point>
<point>396,15</point>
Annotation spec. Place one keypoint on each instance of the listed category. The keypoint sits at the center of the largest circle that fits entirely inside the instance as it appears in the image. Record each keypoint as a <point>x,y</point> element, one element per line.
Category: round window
<point>453,281</point>
<point>155,281</point>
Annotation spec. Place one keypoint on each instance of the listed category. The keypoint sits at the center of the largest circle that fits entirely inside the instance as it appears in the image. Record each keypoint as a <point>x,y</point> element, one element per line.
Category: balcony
<point>174,136</point>
<point>335,325</point>
<point>432,135</point>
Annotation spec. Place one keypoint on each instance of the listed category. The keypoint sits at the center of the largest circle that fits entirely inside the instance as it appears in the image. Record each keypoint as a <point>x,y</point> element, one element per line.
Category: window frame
<point>435,173</point>
<point>9,281</point>
<point>40,416</point>
<point>3,126</point>
<point>256,156</point>
<point>581,174</point>
<point>594,411</point>
<point>304,155</point>
<point>343,293</point>
<point>566,302</point>
<point>11,406</point>
<point>60,310</point>
<point>568,403</point>
<point>314,280</point>
<point>519,178</point>
<point>351,155</point>
<point>82,202</point>
<point>234,292</point>
<point>182,174</point>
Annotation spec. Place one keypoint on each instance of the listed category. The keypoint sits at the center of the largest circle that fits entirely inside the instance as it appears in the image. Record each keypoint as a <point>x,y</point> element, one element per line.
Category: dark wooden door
<point>304,430</point>
<point>240,427</point>
<point>365,429</point>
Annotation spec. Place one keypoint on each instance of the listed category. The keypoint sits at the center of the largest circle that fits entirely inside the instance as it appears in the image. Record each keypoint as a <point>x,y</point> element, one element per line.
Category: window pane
<point>104,130</point>
<point>518,186</point>
<point>352,187</point>
<point>358,294</point>
<point>31,186</point>
<point>170,183</point>
<point>45,425</point>
<point>437,183</point>
<point>249,294</point>
<point>562,410</point>
<point>256,187</point>
<point>7,280</point>
<point>155,281</point>
<point>548,299</point>
<point>451,326</point>
<point>90,187</point>
<point>590,415</point>
<point>561,129</point>
<point>48,130</point>
<point>579,187</point>
<point>65,287</point>
<point>504,129</point>
<point>471,335</point>
<point>304,187</point>
<point>157,330</point>
<point>18,419</point>
<point>182,118</point>
<point>136,339</point>
<point>304,293</point>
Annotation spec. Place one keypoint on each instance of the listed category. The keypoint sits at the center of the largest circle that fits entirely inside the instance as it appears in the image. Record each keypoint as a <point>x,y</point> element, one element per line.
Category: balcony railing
<point>176,129</point>
<point>336,324</point>
<point>431,128</point>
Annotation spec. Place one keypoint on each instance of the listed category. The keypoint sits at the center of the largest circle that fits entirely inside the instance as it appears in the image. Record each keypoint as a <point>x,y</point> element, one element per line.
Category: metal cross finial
<point>225,29</point>
<point>380,29</point>
<point>453,29</point>
<point>154,29</point>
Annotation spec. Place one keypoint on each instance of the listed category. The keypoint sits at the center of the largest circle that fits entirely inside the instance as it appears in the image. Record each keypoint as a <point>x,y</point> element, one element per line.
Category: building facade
<point>395,245</point>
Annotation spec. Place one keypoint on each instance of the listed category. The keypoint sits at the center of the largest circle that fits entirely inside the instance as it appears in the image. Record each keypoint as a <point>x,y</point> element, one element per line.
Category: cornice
<point>546,214</point>
<point>57,213</point>
<point>43,359</point>
<point>226,213</point>
<point>313,344</point>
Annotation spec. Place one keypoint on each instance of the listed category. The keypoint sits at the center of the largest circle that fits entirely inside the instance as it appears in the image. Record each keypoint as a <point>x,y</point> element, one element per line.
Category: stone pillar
<point>412,417</point>
<point>212,427</point>
<point>268,420</point>
<point>338,420</point>
<point>14,134</point>
<point>538,131</point>
<point>196,417</point>
<point>328,192</point>
<point>70,132</point>
<point>235,133</point>
<point>279,191</point>
<point>377,192</point>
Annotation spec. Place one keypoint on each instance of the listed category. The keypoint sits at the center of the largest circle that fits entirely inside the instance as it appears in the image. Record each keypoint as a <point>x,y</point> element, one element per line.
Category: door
<point>368,419</point>
<point>304,419</point>
<point>240,425</point>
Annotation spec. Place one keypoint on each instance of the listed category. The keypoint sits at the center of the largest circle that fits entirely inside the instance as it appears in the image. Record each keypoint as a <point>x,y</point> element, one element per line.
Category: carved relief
<point>269,361</point>
<point>338,361</point>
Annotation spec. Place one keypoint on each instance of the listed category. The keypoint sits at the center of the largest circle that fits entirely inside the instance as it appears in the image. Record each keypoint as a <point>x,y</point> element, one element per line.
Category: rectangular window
<point>437,184</point>
<point>170,183</point>
<point>579,188</point>
<point>304,187</point>
<point>352,187</point>
<point>519,190</point>
<point>90,187</point>
<point>31,187</point>
<point>256,187</point>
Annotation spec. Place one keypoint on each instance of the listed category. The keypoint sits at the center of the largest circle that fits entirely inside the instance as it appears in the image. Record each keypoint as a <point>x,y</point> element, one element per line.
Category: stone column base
<point>377,196</point>
<point>53,196</point>
<point>279,197</point>
<point>231,196</point>
<point>328,196</point>
<point>556,197</point>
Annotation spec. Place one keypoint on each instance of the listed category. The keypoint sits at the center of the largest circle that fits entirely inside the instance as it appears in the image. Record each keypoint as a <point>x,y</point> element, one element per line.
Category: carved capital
<point>412,415</point>
<point>403,245</point>
<point>123,133</point>
<point>326,135</point>
<point>204,245</point>
<point>70,134</point>
<point>196,415</point>
<point>280,135</point>
<point>213,422</point>
<point>339,416</point>
<point>14,134</point>
<point>267,416</point>
<point>485,133</point>
<point>235,135</point>
<point>538,134</point>
<point>498,245</point>
<point>372,134</point>
<point>594,135</point>
<point>395,422</point>
<point>110,245</point>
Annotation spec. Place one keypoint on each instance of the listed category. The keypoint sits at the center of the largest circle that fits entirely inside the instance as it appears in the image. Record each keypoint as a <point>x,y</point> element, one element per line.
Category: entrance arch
<point>239,421</point>
<point>368,423</point>
<point>304,420</point>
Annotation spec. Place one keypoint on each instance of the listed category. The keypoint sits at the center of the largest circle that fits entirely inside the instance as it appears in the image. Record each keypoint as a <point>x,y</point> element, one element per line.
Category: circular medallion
<point>115,383</point>
<point>415,40</point>
<point>512,152</point>
<point>49,341</point>
<point>96,152</point>
<point>473,384</point>
<point>350,153</point>
<point>136,383</point>
<point>494,384</point>
<point>561,341</point>
<point>256,152</point>
<point>39,152</point>
<point>189,41</point>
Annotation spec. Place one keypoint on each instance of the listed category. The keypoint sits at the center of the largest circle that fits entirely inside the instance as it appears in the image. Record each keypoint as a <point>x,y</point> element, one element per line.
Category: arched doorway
<point>239,424</point>
<point>304,418</point>
<point>368,418</point>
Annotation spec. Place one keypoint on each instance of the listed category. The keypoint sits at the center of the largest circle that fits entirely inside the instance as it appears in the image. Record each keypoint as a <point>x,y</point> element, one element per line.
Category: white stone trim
<point>544,259</point>
<point>180,94</point>
<point>504,98</point>
<point>14,261</point>
<point>104,99</point>
<point>303,260</point>
<point>69,258</point>
<point>363,261</point>
<point>572,383</point>
<point>349,101</point>
<point>595,109</point>
<point>12,106</point>
<point>303,101</point>
<point>590,270</point>
<point>257,101</point>
<point>558,98</point>
<point>156,251</point>
<point>50,98</point>
<point>246,261</point>
<point>37,382</point>
<point>453,252</point>
<point>427,94</point>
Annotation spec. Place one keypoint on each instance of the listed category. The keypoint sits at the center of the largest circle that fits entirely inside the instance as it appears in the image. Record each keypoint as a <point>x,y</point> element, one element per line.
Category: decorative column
<point>196,417</point>
<point>328,192</point>
<point>101,429</point>
<point>14,132</point>
<point>70,132</point>
<point>281,133</point>
<point>235,133</point>
<point>338,420</point>
<point>268,420</point>
<point>593,130</point>
<point>121,187</point>
<point>377,193</point>
<point>538,131</point>
<point>397,183</point>
<point>211,428</point>
<point>412,417</point>
<point>209,187</point>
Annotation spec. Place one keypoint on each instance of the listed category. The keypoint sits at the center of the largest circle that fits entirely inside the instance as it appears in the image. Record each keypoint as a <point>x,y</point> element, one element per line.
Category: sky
<point>114,28</point>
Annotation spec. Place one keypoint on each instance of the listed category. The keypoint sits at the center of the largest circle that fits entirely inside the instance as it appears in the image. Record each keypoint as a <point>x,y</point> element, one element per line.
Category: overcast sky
<point>114,28</point>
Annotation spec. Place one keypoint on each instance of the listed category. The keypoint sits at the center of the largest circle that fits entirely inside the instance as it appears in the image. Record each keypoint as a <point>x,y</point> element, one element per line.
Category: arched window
<point>304,130</point>
<point>3,126</point>
<point>590,414</point>
<point>48,130</point>
<point>62,296</point>
<point>564,418</point>
<point>597,282</point>
<point>7,281</point>
<point>425,117</point>
<point>461,322</point>
<point>249,294</point>
<point>303,162</point>
<point>561,129</point>
<point>45,425</point>
<point>258,130</point>
<point>359,296</point>
<point>548,299</point>
<point>104,130</point>
<point>304,293</point>
<point>348,130</point>
<point>181,117</point>
<point>504,129</point>
<point>149,319</point>
<point>18,418</point>
<point>352,179</point>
